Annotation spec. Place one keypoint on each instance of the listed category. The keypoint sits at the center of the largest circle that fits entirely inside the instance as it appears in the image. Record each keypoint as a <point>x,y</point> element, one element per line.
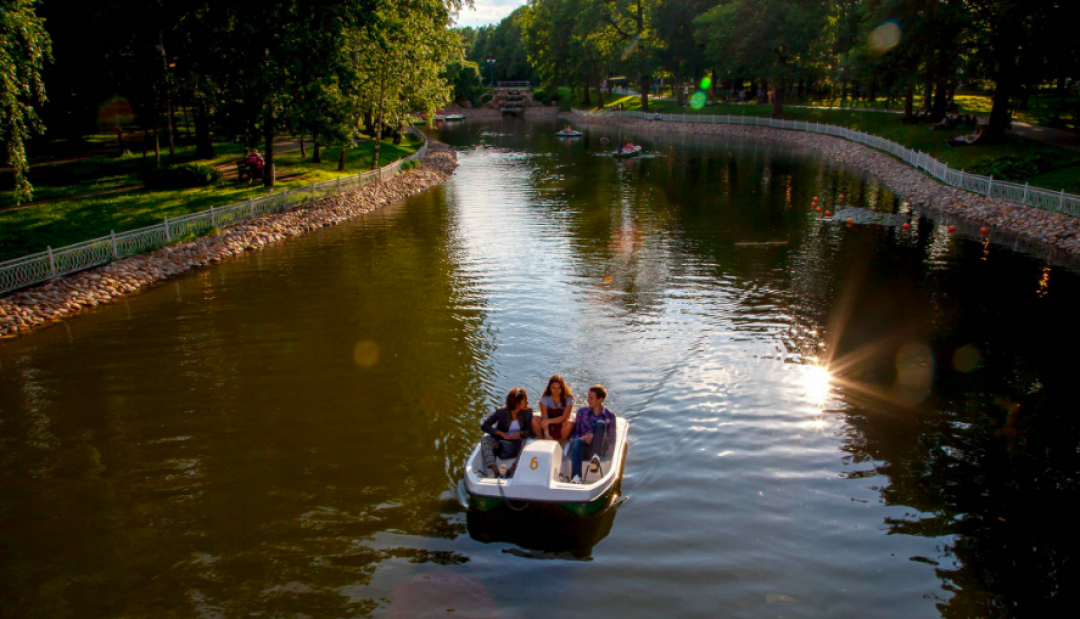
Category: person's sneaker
<point>576,479</point>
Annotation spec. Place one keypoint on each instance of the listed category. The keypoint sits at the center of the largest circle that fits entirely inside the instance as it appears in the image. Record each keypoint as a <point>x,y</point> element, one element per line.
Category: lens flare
<point>914,372</point>
<point>705,83</point>
<point>817,382</point>
<point>697,100</point>
<point>966,359</point>
<point>366,353</point>
<point>884,37</point>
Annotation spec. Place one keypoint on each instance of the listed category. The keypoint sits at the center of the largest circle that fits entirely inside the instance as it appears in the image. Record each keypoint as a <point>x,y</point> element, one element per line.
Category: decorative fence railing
<point>53,263</point>
<point>1036,197</point>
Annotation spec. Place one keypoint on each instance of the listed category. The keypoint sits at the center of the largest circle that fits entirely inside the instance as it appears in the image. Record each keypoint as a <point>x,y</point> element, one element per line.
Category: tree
<point>464,79</point>
<point>768,38</point>
<point>398,61</point>
<point>24,49</point>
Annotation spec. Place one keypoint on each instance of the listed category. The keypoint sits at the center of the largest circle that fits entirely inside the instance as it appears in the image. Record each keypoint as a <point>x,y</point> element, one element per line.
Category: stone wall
<point>1057,235</point>
<point>64,297</point>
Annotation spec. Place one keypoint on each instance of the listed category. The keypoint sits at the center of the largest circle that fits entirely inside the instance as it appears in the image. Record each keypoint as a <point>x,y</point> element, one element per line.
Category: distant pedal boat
<point>569,134</point>
<point>630,153</point>
<point>450,117</point>
<point>543,476</point>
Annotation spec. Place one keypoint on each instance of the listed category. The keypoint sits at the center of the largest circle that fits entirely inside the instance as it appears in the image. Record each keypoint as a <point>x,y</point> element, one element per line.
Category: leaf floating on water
<point>772,598</point>
<point>607,279</point>
<point>867,217</point>
<point>760,243</point>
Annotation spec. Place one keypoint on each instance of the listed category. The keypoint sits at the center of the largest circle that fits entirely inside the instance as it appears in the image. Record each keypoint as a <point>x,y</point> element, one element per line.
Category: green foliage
<point>484,98</point>
<point>24,49</point>
<point>464,78</point>
<point>505,43</point>
<point>1019,168</point>
<point>183,176</point>
<point>540,95</point>
<point>409,165</point>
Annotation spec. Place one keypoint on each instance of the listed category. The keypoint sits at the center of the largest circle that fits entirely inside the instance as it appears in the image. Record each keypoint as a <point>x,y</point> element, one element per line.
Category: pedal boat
<point>451,117</point>
<point>630,153</point>
<point>543,476</point>
<point>569,134</point>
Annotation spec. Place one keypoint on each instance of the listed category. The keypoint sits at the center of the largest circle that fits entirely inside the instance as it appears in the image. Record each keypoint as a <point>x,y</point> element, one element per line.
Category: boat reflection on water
<point>544,531</point>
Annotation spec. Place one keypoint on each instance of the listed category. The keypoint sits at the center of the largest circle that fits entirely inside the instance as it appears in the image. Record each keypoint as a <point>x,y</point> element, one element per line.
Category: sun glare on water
<point>817,381</point>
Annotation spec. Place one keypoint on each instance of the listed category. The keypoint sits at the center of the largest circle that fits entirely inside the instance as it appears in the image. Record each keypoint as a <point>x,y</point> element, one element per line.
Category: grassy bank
<point>70,219</point>
<point>918,137</point>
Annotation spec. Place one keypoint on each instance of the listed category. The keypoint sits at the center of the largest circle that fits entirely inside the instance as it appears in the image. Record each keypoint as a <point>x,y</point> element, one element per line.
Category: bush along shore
<point>1055,234</point>
<point>61,298</point>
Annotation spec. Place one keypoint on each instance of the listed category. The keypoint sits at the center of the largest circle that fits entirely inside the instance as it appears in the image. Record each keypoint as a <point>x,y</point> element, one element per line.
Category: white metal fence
<point>52,263</point>
<point>1036,197</point>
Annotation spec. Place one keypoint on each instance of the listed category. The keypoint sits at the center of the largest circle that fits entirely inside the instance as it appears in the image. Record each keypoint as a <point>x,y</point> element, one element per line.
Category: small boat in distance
<point>569,134</point>
<point>632,152</point>
<point>450,117</point>
<point>543,476</point>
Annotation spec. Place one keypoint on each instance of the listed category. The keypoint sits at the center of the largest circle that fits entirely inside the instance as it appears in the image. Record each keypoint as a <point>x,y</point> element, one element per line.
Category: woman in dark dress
<point>507,427</point>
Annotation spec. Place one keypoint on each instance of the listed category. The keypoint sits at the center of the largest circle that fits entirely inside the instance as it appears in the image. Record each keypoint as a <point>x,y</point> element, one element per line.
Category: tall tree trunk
<point>1006,50</point>
<point>303,153</point>
<point>928,95</point>
<point>341,158</point>
<point>119,137</point>
<point>909,101</point>
<point>587,102</point>
<point>157,149</point>
<point>170,128</point>
<point>145,143</point>
<point>1063,94</point>
<point>378,124</point>
<point>187,124</point>
<point>268,158</point>
<point>204,145</point>
<point>599,95</point>
<point>316,156</point>
<point>644,82</point>
<point>940,101</point>
<point>378,142</point>
<point>778,99</point>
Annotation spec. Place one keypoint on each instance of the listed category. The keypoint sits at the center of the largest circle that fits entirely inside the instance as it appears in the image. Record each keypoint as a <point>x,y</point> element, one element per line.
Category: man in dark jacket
<point>507,427</point>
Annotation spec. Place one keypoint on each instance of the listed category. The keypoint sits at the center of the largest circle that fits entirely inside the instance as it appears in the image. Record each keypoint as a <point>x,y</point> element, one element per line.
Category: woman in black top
<point>511,424</point>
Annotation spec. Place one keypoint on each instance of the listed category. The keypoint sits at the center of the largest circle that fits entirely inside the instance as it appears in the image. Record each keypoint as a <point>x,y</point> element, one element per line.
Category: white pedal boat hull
<point>542,476</point>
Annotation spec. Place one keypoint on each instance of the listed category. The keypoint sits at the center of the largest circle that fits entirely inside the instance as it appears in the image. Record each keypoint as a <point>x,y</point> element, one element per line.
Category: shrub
<point>182,176</point>
<point>539,96</point>
<point>408,165</point>
<point>1018,168</point>
<point>485,98</point>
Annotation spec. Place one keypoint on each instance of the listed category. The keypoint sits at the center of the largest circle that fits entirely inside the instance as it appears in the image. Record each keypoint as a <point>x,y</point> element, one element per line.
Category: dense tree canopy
<point>794,48</point>
<point>240,71</point>
<point>24,48</point>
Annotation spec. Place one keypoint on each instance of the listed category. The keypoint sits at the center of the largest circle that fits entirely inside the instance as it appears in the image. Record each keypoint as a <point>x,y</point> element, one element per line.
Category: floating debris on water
<point>864,216</point>
<point>760,243</point>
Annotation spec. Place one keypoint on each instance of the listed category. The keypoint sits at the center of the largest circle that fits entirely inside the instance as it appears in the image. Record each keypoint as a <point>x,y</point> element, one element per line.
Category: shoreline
<point>65,297</point>
<point>1054,234</point>
<point>486,113</point>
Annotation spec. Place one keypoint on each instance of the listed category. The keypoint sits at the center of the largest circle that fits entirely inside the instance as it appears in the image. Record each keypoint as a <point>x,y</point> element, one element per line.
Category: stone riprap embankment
<point>1054,232</point>
<point>23,311</point>
<point>483,113</point>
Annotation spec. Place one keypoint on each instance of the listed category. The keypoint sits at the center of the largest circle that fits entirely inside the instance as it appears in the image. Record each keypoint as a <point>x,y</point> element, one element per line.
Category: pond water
<point>826,420</point>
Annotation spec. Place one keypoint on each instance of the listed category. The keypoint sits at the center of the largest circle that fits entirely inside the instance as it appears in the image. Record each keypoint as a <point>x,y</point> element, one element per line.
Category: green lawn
<point>65,221</point>
<point>918,137</point>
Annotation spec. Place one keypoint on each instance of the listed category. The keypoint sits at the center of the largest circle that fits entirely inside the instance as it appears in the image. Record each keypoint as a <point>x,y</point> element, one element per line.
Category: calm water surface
<point>282,435</point>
